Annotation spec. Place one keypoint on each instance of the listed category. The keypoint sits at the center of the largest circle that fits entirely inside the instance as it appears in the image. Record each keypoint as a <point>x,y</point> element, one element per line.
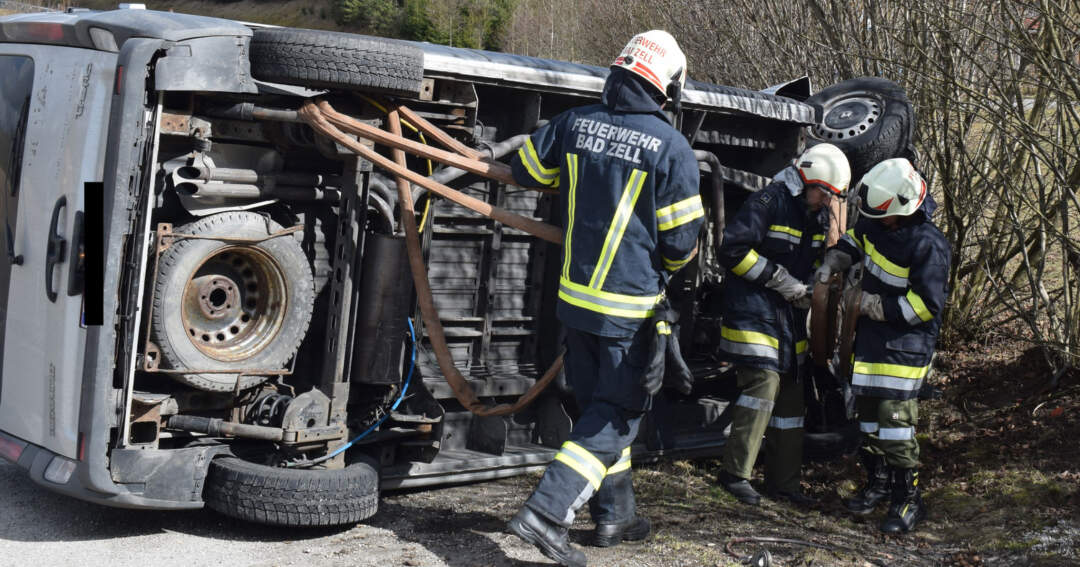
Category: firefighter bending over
<point>770,249</point>
<point>904,283</point>
<point>631,211</point>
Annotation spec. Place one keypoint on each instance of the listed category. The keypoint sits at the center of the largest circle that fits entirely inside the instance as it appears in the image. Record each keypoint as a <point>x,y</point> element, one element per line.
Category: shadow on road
<point>31,513</point>
<point>461,539</point>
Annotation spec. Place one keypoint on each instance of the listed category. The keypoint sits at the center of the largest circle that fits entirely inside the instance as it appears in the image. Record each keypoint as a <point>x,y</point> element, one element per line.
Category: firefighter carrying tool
<point>905,280</point>
<point>770,248</point>
<point>631,212</point>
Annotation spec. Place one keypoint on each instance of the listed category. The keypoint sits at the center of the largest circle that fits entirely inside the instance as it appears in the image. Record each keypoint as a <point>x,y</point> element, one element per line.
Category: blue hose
<point>408,379</point>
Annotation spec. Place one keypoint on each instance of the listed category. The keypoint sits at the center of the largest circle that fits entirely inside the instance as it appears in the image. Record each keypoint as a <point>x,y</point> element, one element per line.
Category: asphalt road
<point>454,527</point>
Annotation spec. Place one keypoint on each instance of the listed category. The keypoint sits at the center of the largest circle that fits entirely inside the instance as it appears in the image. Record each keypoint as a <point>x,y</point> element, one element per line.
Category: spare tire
<point>293,497</point>
<point>321,59</point>
<point>870,119</point>
<point>226,305</point>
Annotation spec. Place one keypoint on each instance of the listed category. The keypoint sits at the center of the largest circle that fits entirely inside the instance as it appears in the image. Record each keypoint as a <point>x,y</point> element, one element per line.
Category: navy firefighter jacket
<point>631,209</point>
<point>909,268</point>
<point>772,228</point>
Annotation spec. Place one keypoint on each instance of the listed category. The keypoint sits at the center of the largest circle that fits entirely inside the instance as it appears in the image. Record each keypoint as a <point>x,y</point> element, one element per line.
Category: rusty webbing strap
<point>314,117</point>
<point>491,169</point>
<point>461,388</point>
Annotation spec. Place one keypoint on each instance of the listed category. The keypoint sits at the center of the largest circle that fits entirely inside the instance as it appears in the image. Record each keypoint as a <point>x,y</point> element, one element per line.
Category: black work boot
<point>876,488</point>
<point>794,496</point>
<point>547,536</point>
<point>739,488</point>
<point>634,529</point>
<point>906,507</point>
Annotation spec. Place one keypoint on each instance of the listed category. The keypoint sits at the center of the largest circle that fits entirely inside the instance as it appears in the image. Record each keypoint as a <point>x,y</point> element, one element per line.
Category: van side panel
<point>44,339</point>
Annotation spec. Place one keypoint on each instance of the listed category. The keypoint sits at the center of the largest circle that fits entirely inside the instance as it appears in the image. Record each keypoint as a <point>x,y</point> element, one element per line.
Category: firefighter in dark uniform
<point>906,269</point>
<point>631,212</point>
<point>770,249</point>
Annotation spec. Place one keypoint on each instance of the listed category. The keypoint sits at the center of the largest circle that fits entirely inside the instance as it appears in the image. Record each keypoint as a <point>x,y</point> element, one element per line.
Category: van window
<point>15,89</point>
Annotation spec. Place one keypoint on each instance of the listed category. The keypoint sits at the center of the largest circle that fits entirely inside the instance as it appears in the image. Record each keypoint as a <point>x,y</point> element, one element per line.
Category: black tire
<point>868,118</point>
<point>335,60</point>
<point>263,294</point>
<point>292,497</point>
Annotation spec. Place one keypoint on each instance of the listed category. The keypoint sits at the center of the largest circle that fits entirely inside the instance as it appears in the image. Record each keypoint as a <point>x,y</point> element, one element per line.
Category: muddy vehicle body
<point>209,304</point>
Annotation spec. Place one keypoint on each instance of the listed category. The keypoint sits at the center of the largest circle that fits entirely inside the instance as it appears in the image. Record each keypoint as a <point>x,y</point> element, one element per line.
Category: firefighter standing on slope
<point>631,212</point>
<point>770,248</point>
<point>906,261</point>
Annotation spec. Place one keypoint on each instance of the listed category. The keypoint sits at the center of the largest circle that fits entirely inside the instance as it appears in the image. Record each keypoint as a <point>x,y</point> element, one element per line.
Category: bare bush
<point>995,85</point>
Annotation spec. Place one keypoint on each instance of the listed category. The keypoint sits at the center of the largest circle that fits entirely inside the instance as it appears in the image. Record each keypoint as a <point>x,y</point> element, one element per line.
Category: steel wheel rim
<point>849,116</point>
<point>234,303</point>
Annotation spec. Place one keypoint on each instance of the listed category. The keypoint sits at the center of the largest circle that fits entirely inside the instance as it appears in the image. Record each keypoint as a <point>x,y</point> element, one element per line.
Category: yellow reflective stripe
<point>885,264</point>
<point>747,263</point>
<point>646,300</point>
<point>606,302</point>
<point>662,328</point>
<point>801,346</point>
<point>918,305</point>
<point>786,229</point>
<point>894,370</point>
<point>819,237</point>
<point>584,454</point>
<point>572,167</point>
<point>680,213</point>
<point>622,464</point>
<point>531,160</point>
<point>673,265</point>
<point>623,213</point>
<point>580,469</point>
<point>545,171</point>
<point>751,337</point>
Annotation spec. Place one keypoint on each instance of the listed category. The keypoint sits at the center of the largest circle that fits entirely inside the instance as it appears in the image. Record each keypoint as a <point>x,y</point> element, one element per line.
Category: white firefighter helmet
<point>655,56</point>
<point>827,166</point>
<point>891,188</point>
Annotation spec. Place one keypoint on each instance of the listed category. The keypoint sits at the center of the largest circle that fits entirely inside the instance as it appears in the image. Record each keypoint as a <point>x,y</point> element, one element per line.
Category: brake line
<point>404,389</point>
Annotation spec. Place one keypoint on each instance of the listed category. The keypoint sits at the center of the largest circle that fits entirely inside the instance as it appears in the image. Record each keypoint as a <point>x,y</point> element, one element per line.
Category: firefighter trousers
<point>593,465</point>
<point>888,427</point>
<point>773,408</point>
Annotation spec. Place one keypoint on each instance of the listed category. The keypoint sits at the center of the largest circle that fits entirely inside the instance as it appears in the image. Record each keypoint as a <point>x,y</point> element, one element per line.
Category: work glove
<point>870,306</point>
<point>653,377</point>
<point>789,287</point>
<point>834,262</point>
<point>677,374</point>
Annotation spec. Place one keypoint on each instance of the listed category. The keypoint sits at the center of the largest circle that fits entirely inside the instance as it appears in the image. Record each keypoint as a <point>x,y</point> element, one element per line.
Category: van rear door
<point>62,97</point>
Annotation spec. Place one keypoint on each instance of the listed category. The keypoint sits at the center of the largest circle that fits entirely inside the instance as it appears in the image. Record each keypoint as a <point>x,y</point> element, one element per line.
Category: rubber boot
<point>876,488</point>
<point>739,488</point>
<point>549,538</point>
<point>906,508</point>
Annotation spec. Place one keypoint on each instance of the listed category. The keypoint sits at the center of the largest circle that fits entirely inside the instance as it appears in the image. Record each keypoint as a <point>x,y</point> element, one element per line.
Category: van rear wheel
<point>293,497</point>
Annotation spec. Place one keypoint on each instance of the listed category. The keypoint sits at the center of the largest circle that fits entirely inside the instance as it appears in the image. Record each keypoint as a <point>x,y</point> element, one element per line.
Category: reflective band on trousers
<point>582,462</point>
<point>623,464</point>
<point>606,302</point>
<point>786,422</point>
<point>679,214</point>
<point>868,426</point>
<point>753,403</point>
<point>896,433</point>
